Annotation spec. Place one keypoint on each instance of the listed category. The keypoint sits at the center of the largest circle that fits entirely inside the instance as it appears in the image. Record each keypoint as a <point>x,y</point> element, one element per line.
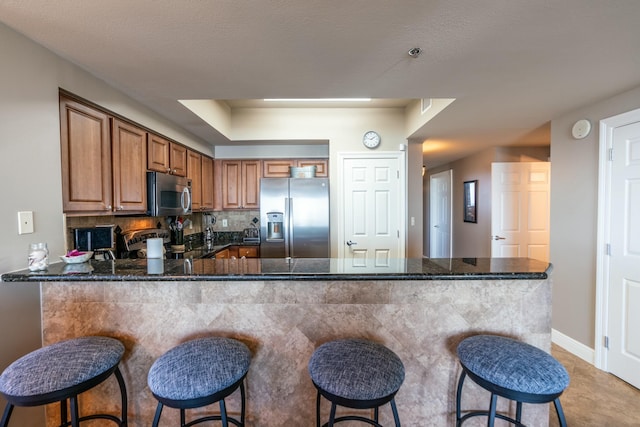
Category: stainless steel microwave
<point>168,195</point>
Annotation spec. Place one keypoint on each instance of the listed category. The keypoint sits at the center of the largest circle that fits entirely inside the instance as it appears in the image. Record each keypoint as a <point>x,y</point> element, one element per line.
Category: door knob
<point>498,238</point>
<point>350,243</point>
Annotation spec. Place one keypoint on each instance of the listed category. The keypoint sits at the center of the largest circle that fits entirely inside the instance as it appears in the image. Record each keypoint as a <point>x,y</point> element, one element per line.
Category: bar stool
<point>510,369</point>
<point>198,373</point>
<point>60,372</point>
<point>356,374</point>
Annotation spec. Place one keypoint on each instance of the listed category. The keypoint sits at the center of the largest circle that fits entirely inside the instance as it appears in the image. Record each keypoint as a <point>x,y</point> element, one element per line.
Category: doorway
<point>440,214</point>
<point>618,257</point>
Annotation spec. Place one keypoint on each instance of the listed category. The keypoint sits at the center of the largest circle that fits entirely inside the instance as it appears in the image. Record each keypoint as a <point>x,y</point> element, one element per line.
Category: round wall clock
<point>371,139</point>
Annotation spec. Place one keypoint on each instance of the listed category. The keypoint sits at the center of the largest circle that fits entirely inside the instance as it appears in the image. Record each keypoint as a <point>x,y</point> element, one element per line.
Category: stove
<point>132,241</point>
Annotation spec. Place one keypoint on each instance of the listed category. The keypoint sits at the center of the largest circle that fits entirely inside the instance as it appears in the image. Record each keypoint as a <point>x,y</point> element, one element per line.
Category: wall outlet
<point>225,223</point>
<point>25,222</point>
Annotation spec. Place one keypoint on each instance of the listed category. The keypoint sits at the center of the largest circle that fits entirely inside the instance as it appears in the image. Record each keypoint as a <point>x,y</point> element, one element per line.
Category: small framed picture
<point>470,197</point>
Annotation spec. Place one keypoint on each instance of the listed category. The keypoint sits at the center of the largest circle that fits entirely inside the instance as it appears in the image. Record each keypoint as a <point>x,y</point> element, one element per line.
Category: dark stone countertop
<point>299,269</point>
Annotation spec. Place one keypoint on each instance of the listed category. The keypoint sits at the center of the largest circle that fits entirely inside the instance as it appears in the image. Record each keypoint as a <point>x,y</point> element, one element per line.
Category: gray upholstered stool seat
<point>200,372</point>
<point>357,374</point>
<point>511,369</point>
<point>62,371</point>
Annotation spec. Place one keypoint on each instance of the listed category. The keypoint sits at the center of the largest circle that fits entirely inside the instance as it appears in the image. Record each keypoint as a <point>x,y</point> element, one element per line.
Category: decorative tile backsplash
<point>236,222</point>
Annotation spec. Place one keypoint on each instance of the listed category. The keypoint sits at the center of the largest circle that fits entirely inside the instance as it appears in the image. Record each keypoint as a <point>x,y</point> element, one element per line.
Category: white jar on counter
<point>38,256</point>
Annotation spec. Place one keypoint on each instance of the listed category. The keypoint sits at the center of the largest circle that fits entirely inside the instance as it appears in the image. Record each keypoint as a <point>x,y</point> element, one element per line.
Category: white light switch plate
<point>25,222</point>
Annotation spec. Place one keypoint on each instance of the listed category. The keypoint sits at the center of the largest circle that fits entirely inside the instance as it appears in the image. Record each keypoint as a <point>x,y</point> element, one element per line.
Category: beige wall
<point>574,202</point>
<point>30,77</point>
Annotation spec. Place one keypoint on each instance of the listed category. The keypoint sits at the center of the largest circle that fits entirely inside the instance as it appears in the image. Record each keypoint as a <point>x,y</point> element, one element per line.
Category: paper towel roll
<point>154,248</point>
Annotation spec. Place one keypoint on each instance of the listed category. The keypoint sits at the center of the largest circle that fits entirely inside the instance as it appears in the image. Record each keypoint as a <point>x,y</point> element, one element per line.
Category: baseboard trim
<point>572,346</point>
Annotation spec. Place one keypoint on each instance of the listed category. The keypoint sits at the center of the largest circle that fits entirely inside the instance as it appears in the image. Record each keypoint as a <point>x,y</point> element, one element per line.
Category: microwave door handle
<point>185,192</point>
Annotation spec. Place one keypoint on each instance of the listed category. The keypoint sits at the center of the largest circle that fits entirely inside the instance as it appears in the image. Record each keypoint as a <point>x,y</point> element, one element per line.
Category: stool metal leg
<point>318,409</point>
<point>519,412</point>
<point>396,417</point>
<point>560,412</point>
<point>123,397</point>
<point>242,403</point>
<point>8,409</point>
<point>64,418</point>
<point>73,401</point>
<point>459,398</point>
<point>332,415</point>
<point>156,418</point>
<point>492,410</point>
<point>223,414</point>
<point>375,414</point>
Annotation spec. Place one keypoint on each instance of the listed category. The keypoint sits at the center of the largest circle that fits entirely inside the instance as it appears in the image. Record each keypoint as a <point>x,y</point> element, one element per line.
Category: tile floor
<point>594,397</point>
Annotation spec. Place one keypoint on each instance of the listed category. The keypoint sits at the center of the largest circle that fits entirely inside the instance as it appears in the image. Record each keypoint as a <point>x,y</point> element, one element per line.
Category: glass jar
<point>38,256</point>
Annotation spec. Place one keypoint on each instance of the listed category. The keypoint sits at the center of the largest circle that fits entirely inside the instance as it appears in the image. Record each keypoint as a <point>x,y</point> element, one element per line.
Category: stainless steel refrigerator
<point>294,218</point>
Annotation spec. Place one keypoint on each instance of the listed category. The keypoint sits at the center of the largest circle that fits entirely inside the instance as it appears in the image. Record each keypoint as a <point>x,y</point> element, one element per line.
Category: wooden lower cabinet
<point>223,254</point>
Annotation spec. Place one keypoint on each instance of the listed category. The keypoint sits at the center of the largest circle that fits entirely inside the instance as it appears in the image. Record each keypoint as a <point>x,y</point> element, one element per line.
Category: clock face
<point>371,139</point>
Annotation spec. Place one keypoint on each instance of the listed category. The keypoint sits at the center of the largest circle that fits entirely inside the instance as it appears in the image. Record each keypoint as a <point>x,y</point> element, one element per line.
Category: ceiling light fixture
<point>415,52</point>
<point>317,99</point>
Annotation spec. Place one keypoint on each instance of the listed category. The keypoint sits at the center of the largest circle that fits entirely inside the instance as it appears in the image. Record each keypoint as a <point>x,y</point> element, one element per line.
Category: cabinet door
<point>231,184</point>
<point>277,168</point>
<point>248,251</point>
<point>194,173</point>
<point>223,254</point>
<point>158,154</point>
<point>85,144</point>
<point>251,173</point>
<point>322,166</point>
<point>129,147</point>
<point>206,204</point>
<point>178,159</point>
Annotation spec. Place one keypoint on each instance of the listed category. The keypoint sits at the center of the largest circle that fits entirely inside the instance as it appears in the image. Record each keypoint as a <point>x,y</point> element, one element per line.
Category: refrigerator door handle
<point>287,226</point>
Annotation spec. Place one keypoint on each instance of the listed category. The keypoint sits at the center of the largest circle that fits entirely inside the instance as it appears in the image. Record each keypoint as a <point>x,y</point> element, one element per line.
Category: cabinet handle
<point>108,208</point>
<point>168,170</point>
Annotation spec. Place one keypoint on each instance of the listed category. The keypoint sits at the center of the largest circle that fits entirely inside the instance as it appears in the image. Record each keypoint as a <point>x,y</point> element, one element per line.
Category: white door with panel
<point>520,210</point>
<point>623,357</point>
<point>373,212</point>
<point>440,211</point>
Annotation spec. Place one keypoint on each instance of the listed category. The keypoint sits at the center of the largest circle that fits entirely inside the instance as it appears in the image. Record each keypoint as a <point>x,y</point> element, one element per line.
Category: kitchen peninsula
<point>283,309</point>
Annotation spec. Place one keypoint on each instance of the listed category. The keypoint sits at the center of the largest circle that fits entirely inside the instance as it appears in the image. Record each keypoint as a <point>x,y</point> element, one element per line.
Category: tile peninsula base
<point>282,322</point>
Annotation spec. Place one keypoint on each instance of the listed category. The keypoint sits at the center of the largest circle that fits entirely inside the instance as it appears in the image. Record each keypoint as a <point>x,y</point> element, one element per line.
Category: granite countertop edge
<point>256,269</point>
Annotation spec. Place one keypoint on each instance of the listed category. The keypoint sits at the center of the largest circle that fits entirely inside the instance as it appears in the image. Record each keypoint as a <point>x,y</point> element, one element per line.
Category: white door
<point>372,212</point>
<point>440,215</point>
<point>624,268</point>
<point>520,211</point>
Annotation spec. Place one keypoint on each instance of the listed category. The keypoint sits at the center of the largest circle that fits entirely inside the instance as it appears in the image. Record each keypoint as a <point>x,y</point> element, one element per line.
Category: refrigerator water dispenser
<point>274,226</point>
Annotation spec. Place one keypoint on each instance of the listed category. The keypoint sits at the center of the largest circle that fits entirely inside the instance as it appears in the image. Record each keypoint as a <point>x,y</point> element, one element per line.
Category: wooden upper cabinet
<point>85,144</point>
<point>279,168</point>
<point>251,174</point>
<point>158,150</point>
<point>178,159</point>
<point>322,166</point>
<point>206,204</point>
<point>129,148</point>
<point>166,156</point>
<point>194,173</point>
<point>240,184</point>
